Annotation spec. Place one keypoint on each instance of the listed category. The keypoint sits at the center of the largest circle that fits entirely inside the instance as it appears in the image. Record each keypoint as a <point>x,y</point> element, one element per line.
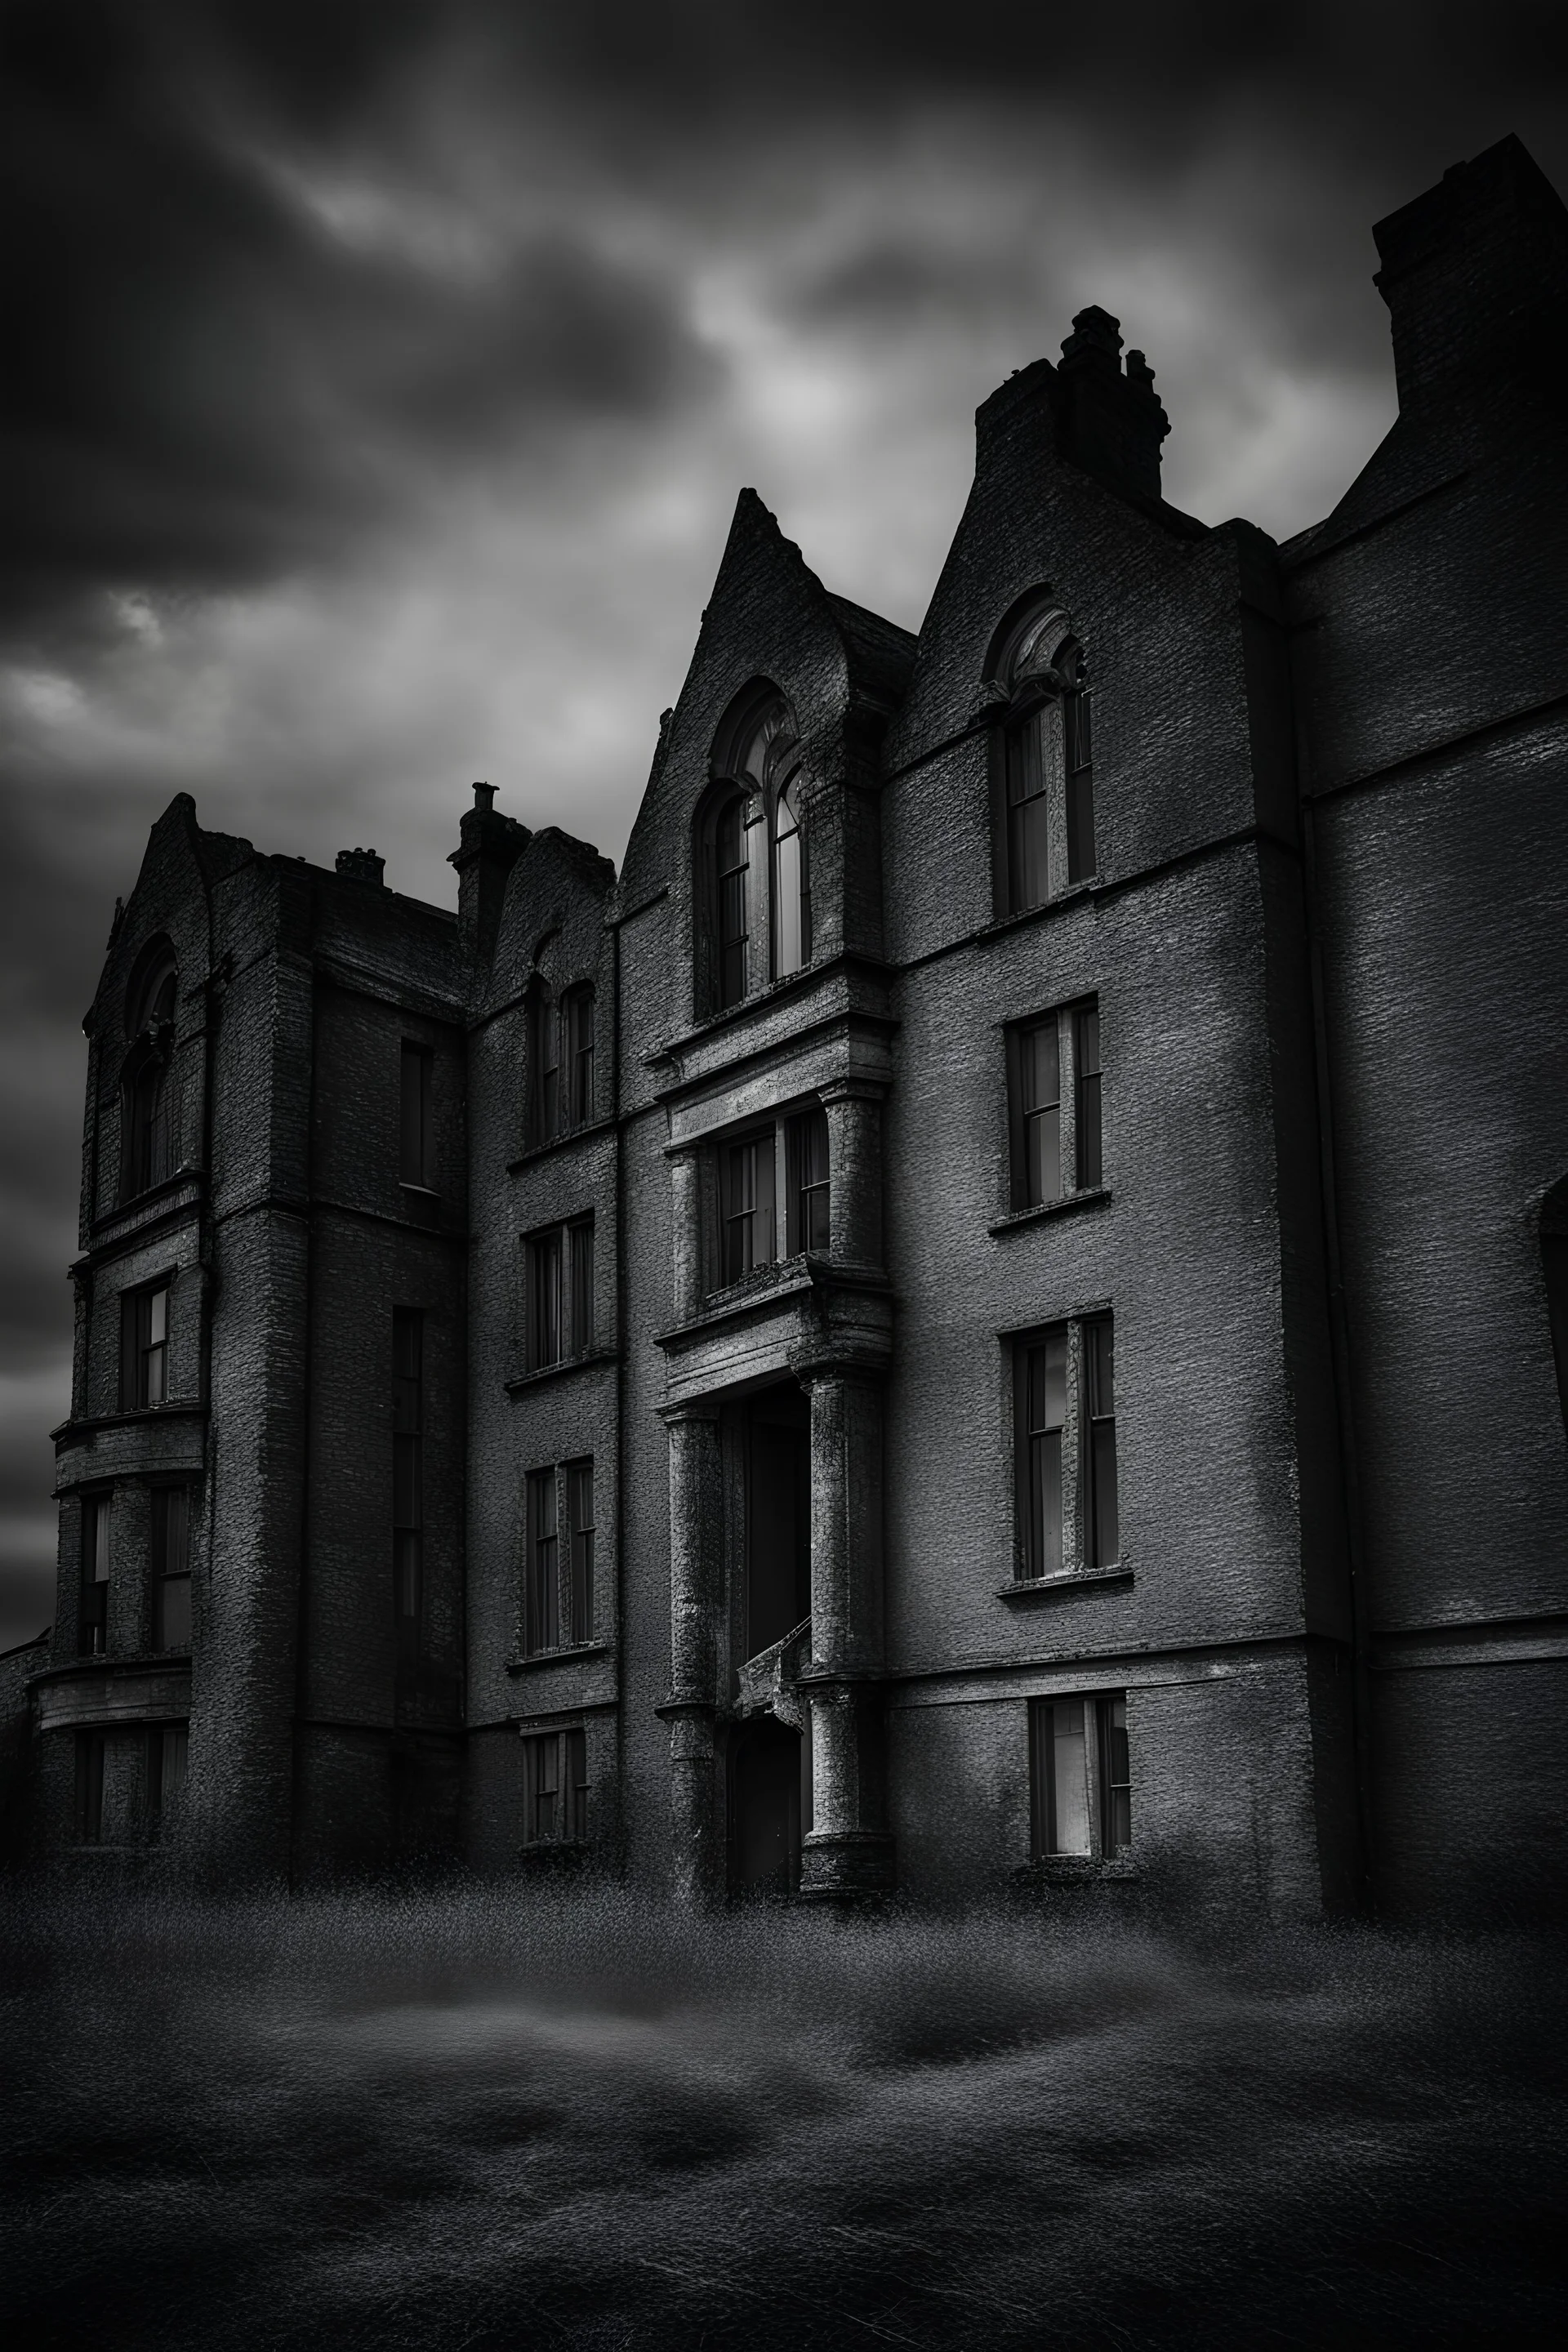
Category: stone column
<point>696,1559</point>
<point>848,1851</point>
<point>853,1108</point>
<point>686,1233</point>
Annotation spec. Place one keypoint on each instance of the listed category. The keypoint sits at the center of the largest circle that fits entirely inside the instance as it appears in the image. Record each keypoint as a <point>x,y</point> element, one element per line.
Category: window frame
<point>792,1209</point>
<point>1040,699</point>
<point>1077,1107</point>
<point>171,1539</point>
<point>558,1599</point>
<point>1105,1749</point>
<point>560,1292</point>
<point>555,1768</point>
<point>416,1116</point>
<point>145,1354</point>
<point>1089,1484</point>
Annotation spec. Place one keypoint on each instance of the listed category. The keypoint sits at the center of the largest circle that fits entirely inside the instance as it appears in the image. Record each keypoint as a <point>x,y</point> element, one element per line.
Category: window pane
<point>175,1745</point>
<point>580,1509</point>
<point>171,1531</point>
<point>1100,1385</point>
<point>157,1317</point>
<point>173,1629</point>
<point>97,1543</point>
<point>1043,1551</point>
<point>1070,1779</point>
<point>1116,1776</point>
<point>1025,775</point>
<point>543,1628</point>
<point>1048,1402</point>
<point>1081,828</point>
<point>732,852</point>
<point>582,1290</point>
<point>1040,1063</point>
<point>582,1051</point>
<point>413,1146</point>
<point>576,1788</point>
<point>789,930</point>
<point>1030,859</point>
<point>1087,1054</point>
<point>544,1260</point>
<point>541,1774</point>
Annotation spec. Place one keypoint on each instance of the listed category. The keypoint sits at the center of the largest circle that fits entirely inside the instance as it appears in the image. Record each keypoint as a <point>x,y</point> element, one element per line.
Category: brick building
<point>993,1309</point>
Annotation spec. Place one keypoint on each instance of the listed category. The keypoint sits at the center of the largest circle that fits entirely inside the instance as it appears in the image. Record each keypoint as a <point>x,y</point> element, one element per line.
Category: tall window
<point>1080,1778</point>
<point>1033,759</point>
<point>1086,1075</point>
<point>148,1096</point>
<point>807,1153</point>
<point>732,864</point>
<point>541,1612</point>
<point>580,1525</point>
<point>416,1131</point>
<point>407,1483</point>
<point>89,1762</point>
<point>580,1056</point>
<point>168,1754</point>
<point>93,1638</point>
<point>555,1789</point>
<point>559,1280</point>
<point>1068,1516</point>
<point>1052,1067</point>
<point>1079,785</point>
<point>545,1039</point>
<point>170,1567</point>
<point>144,1347</point>
<point>1042,1419</point>
<point>792,915</point>
<point>746,1184</point>
<point>1100,1398</point>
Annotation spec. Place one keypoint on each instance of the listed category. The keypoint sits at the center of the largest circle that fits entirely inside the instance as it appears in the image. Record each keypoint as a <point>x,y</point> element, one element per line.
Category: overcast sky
<point>380,379</point>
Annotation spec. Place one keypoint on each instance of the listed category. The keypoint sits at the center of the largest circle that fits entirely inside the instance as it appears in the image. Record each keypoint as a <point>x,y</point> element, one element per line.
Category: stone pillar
<point>853,1108</point>
<point>686,1233</point>
<point>696,1583</point>
<point>848,1851</point>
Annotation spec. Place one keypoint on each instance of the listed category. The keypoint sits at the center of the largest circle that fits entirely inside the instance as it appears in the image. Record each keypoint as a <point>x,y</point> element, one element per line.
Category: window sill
<point>535,1151</point>
<point>535,1659</point>
<point>129,1416</point>
<point>1075,1870</point>
<point>1092,1196</point>
<point>568,1364</point>
<point>1080,1579</point>
<point>1068,897</point>
<point>421,1205</point>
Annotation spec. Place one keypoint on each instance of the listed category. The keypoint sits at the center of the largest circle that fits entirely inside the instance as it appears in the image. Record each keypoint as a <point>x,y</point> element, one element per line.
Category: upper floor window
<point>558,1582</point>
<point>145,1346</point>
<point>1043,760</point>
<point>147,1089</point>
<point>559,1281</point>
<point>416,1131</point>
<point>560,1043</point>
<point>774,1193</point>
<point>756,904</point>
<point>93,1636</point>
<point>1068,1517</point>
<point>1053,1106</point>
<point>170,1567</point>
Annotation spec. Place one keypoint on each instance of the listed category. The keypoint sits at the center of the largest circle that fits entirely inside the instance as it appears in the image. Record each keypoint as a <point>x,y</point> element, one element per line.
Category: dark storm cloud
<point>209,385</point>
<point>361,353</point>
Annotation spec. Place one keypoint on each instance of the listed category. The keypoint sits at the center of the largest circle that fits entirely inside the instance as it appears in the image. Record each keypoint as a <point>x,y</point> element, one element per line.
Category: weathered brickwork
<point>694,1377</point>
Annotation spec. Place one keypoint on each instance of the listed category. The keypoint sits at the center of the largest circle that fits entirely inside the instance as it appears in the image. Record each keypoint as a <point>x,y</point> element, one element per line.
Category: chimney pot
<point>362,866</point>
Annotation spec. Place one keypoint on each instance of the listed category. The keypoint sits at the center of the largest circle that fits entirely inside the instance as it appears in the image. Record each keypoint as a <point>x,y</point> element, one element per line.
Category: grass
<point>495,2118</point>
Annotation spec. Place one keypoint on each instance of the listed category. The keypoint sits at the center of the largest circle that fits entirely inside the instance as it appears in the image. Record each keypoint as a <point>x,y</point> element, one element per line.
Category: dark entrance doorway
<point>766,1764</point>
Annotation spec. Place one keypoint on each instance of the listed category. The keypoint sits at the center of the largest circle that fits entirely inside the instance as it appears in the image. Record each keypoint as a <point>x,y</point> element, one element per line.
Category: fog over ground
<point>381,379</point>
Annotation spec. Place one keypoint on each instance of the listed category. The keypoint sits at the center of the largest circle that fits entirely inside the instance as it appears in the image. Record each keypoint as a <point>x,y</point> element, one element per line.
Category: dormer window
<point>1043,766</point>
<point>755,922</point>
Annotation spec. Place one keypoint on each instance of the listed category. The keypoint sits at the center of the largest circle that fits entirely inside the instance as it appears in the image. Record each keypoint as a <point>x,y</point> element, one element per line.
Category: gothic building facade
<point>992,1311</point>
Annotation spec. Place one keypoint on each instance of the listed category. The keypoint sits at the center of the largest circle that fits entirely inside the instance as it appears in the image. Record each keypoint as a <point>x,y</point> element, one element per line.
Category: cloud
<point>380,378</point>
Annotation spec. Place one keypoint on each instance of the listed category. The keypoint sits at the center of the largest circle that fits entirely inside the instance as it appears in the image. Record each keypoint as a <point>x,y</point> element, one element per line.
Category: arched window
<point>792,907</point>
<point>755,881</point>
<point>1043,763</point>
<point>147,1088</point>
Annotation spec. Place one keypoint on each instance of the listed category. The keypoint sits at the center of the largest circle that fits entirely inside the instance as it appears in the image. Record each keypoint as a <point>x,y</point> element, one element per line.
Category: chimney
<point>489,847</point>
<point>1111,423</point>
<point>362,866</point>
<point>1475,275</point>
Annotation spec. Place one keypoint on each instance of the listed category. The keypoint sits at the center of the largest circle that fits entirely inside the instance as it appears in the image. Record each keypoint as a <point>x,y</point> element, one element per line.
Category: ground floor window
<point>168,1750</point>
<point>1080,1779</point>
<point>555,1789</point>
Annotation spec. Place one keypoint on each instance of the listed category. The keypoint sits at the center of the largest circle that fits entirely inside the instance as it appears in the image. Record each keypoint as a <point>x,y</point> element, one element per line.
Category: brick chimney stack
<point>489,847</point>
<point>363,865</point>
<point>1111,423</point>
